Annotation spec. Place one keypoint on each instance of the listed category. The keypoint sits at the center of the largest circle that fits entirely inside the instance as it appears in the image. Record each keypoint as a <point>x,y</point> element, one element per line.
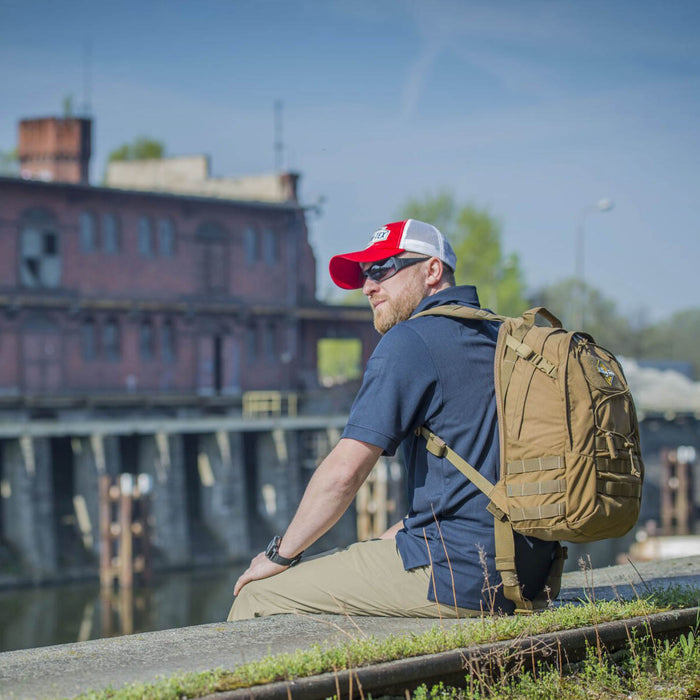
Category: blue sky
<point>534,109</point>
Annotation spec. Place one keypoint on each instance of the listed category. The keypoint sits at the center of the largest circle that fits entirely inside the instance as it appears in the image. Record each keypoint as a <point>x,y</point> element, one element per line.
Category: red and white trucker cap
<point>408,236</point>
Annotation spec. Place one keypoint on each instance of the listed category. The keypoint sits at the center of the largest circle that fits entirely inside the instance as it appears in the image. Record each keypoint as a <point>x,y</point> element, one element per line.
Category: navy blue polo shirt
<point>438,372</point>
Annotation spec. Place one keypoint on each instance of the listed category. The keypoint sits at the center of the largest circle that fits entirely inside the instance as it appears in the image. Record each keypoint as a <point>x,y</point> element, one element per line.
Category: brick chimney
<point>55,149</point>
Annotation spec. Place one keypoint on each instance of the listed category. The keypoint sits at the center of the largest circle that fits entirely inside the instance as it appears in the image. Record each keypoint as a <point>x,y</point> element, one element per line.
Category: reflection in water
<point>78,612</point>
<point>75,613</point>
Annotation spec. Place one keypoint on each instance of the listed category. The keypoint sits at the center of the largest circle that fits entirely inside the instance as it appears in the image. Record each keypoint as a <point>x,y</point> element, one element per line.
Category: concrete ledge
<point>69,669</point>
<point>393,678</point>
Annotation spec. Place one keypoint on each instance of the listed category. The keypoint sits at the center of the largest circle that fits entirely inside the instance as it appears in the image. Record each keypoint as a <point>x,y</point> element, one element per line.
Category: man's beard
<point>398,309</point>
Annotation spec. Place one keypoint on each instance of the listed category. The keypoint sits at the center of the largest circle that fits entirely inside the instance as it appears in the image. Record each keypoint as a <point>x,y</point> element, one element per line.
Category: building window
<point>252,344</point>
<point>250,241</point>
<point>40,260</point>
<point>167,341</point>
<point>270,343</point>
<point>271,243</point>
<point>213,252</point>
<point>110,234</point>
<point>166,238</point>
<point>111,343</point>
<point>145,237</point>
<point>88,232</point>
<point>146,340</point>
<point>88,340</point>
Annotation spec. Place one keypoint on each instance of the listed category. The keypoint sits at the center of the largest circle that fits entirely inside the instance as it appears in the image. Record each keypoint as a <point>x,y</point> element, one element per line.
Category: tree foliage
<point>600,317</point>
<point>141,148</point>
<point>676,338</point>
<point>9,162</point>
<point>475,236</point>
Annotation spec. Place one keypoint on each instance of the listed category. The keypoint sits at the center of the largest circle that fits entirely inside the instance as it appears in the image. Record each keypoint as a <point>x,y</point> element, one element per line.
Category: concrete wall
<point>223,498</point>
<point>161,456</point>
<point>28,515</point>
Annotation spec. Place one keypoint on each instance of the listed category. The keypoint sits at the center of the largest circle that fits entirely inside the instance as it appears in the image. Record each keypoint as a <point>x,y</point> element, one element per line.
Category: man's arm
<point>328,495</point>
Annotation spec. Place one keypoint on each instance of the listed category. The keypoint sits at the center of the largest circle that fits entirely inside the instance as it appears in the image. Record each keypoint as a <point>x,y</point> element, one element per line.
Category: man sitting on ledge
<point>432,371</point>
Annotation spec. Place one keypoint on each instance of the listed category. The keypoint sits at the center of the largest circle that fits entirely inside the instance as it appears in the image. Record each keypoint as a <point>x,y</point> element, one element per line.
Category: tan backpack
<point>570,465</point>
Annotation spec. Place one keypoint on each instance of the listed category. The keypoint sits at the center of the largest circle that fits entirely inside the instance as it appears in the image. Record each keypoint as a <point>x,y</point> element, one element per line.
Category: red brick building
<point>117,292</point>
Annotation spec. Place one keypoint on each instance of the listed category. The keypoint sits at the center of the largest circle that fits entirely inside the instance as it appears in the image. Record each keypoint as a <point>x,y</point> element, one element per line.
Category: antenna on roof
<point>87,69</point>
<point>279,143</point>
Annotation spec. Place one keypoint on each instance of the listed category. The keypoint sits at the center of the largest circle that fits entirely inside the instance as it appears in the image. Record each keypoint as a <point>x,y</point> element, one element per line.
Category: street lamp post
<point>602,206</point>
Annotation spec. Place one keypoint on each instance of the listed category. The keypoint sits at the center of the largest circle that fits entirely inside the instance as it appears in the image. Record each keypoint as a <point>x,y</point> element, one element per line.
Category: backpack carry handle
<point>546,314</point>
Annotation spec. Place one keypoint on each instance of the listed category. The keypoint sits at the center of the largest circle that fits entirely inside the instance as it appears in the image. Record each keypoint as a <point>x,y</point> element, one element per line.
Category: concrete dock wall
<point>220,488</point>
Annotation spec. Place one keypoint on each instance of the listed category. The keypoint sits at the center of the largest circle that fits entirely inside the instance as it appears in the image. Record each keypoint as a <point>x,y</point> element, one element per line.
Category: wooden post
<point>371,504</point>
<point>120,557</point>
<point>105,533</point>
<point>126,550</point>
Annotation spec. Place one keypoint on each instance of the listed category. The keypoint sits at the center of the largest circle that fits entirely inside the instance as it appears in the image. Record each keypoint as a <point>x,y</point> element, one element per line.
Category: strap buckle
<point>436,446</point>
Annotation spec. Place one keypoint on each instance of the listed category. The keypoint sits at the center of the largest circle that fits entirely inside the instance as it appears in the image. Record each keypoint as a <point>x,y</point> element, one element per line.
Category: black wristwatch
<point>273,554</point>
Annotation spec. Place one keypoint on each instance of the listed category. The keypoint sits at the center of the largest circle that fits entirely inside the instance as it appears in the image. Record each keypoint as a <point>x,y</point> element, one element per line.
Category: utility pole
<point>279,142</point>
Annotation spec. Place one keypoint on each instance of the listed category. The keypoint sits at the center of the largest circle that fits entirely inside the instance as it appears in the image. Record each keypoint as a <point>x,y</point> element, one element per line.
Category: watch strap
<point>272,553</point>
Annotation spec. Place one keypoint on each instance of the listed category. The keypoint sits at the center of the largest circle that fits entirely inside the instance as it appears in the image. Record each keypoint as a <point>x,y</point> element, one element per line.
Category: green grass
<point>644,671</point>
<point>361,652</point>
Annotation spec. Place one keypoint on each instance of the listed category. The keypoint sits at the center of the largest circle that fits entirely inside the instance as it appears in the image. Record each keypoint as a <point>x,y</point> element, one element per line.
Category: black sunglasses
<point>388,268</point>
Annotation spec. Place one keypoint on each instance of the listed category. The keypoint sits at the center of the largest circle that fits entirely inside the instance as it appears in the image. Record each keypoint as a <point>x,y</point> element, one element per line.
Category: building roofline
<point>82,187</point>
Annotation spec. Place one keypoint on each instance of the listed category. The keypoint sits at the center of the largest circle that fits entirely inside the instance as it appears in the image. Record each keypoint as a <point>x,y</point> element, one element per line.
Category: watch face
<point>272,548</point>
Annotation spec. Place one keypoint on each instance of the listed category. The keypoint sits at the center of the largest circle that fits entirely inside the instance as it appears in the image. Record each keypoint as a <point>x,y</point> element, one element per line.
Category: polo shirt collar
<point>464,294</point>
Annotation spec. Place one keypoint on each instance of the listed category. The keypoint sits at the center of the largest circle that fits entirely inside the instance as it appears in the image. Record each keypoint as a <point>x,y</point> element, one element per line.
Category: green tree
<point>476,237</point>
<point>339,360</point>
<point>9,162</point>
<point>141,148</point>
<point>676,338</point>
<point>601,318</point>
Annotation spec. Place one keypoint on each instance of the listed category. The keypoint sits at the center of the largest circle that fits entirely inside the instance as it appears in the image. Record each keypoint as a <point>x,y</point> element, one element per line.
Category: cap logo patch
<point>379,235</point>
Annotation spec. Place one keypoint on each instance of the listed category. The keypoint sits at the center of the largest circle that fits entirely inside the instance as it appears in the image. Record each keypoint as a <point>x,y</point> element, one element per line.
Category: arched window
<point>270,342</point>
<point>250,241</point>
<point>166,238</point>
<point>111,341</point>
<point>88,232</point>
<point>146,340</point>
<point>271,243</point>
<point>110,234</point>
<point>213,254</point>
<point>252,344</point>
<point>145,229</point>
<point>167,341</point>
<point>39,255</point>
<point>88,339</point>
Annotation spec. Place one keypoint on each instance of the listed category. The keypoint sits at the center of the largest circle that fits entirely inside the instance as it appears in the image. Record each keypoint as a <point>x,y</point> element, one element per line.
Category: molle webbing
<point>539,464</point>
<point>537,488</point>
<point>548,510</point>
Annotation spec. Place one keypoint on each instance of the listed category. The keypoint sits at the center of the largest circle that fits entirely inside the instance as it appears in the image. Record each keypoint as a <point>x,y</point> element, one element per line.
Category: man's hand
<point>260,567</point>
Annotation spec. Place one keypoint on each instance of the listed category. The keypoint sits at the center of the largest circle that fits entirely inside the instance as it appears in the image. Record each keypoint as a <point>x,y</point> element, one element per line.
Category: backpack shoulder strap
<point>503,532</point>
<point>468,313</point>
<point>437,446</point>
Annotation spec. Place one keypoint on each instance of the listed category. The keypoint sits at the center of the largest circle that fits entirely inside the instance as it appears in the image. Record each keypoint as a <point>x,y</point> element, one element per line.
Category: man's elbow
<point>350,464</point>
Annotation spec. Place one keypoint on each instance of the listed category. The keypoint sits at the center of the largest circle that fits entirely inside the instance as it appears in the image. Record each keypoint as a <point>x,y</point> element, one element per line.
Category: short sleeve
<point>399,389</point>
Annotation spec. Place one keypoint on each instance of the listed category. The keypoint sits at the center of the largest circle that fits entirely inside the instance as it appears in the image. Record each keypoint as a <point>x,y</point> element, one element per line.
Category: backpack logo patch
<point>605,372</point>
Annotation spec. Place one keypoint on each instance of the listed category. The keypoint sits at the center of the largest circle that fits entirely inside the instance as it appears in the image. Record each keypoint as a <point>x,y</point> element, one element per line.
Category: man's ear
<point>434,272</point>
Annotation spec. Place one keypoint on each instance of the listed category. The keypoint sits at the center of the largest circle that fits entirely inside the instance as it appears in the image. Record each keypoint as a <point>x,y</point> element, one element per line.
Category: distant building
<point>165,282</point>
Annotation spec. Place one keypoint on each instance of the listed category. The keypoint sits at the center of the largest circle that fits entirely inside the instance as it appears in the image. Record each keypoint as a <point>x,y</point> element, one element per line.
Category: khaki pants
<point>367,578</point>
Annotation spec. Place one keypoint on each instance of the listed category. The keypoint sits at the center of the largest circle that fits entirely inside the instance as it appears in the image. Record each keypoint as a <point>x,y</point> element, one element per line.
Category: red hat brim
<point>345,269</point>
